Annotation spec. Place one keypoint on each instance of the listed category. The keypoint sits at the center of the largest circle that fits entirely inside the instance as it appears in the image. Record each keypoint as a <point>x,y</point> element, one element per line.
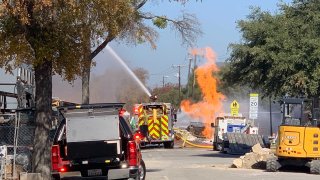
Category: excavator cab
<point>298,112</point>
<point>298,136</point>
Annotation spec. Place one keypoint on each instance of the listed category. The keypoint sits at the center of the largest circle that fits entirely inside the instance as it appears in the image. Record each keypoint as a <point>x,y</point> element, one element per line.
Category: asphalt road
<point>204,164</point>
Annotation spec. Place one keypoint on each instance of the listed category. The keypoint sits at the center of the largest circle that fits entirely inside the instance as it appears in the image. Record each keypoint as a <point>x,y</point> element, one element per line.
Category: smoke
<point>211,105</point>
<point>263,120</point>
<point>102,88</point>
<point>66,91</point>
<point>106,86</point>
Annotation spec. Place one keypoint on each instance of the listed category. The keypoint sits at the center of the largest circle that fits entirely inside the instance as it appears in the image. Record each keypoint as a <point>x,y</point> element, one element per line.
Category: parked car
<point>94,141</point>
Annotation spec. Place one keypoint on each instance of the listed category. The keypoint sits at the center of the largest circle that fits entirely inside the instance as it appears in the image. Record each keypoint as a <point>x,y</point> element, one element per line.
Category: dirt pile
<point>255,159</point>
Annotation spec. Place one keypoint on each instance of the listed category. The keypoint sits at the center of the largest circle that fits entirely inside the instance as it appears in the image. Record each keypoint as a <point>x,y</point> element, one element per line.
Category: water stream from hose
<point>120,60</point>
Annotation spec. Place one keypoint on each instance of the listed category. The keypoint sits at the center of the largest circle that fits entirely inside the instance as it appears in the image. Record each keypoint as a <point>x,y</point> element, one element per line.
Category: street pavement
<point>205,164</point>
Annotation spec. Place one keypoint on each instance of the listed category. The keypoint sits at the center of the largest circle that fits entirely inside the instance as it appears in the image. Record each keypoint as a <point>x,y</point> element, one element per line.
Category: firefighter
<point>133,122</point>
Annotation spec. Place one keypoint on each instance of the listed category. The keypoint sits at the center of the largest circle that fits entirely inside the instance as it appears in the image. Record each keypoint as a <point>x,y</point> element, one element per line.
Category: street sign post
<point>253,112</point>
<point>234,106</point>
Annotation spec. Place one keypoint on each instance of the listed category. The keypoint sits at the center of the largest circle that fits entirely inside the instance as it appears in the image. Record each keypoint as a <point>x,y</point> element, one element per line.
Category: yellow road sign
<point>234,106</point>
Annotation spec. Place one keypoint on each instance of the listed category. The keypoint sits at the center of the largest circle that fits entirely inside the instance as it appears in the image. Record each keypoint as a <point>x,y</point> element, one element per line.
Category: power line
<point>179,77</point>
<point>163,84</point>
<point>168,71</point>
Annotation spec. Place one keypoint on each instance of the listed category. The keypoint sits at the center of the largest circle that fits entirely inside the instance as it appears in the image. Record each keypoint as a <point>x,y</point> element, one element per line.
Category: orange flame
<point>211,105</point>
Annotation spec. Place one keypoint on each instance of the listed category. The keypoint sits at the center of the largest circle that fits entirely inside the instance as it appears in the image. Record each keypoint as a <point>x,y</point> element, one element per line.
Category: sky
<point>218,21</point>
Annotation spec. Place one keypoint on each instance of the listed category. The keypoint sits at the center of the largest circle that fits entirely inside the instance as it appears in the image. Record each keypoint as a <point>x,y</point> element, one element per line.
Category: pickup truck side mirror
<point>175,117</point>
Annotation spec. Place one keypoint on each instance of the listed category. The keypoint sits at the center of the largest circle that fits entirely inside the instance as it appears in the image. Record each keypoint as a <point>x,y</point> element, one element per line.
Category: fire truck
<point>155,121</point>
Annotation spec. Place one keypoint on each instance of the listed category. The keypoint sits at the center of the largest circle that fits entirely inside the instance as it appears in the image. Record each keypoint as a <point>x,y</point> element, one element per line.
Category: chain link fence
<point>16,135</point>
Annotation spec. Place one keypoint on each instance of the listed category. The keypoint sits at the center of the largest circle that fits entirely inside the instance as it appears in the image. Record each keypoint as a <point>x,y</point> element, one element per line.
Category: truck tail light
<point>57,163</point>
<point>55,157</point>
<point>132,154</point>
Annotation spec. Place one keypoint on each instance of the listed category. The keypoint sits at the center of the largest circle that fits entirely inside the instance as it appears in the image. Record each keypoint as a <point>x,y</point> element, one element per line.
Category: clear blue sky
<point>218,23</point>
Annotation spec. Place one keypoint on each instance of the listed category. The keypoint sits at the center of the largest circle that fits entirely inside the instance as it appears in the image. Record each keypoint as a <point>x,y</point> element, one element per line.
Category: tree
<point>135,30</point>
<point>169,94</point>
<point>48,35</point>
<point>279,54</point>
<point>101,23</point>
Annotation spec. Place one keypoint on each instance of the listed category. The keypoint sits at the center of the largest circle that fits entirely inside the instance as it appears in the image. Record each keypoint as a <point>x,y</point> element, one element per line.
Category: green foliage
<point>279,54</point>
<point>233,91</point>
<point>169,93</point>
<point>160,22</point>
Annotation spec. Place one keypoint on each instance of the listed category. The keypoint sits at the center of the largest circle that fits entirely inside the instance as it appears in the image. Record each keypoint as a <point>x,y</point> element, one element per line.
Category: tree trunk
<point>87,70</point>
<point>41,154</point>
<point>85,86</point>
<point>316,109</point>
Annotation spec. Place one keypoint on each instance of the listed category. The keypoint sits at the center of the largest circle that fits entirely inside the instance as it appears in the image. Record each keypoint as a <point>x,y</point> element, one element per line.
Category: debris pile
<point>255,159</point>
<point>182,133</point>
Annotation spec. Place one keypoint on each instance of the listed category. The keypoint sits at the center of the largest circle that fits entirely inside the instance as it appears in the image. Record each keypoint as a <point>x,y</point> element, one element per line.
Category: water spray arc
<point>119,59</point>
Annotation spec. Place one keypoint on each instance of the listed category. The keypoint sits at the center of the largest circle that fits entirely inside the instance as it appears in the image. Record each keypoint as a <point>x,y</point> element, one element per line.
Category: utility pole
<point>270,106</point>
<point>188,86</point>
<point>179,78</point>
<point>194,74</point>
<point>163,80</point>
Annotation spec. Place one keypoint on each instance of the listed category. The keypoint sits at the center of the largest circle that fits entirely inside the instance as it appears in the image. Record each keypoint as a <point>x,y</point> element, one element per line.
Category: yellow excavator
<point>298,142</point>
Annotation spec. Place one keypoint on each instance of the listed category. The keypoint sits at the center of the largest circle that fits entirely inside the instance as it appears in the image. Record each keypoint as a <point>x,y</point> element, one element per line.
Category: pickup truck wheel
<point>142,171</point>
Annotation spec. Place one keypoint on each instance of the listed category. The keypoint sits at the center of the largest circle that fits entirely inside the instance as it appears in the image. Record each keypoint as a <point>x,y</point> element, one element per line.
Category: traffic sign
<point>253,111</point>
<point>234,106</point>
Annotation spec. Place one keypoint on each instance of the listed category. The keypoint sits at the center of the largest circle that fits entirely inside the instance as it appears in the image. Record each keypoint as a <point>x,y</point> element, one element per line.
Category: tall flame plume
<point>211,104</point>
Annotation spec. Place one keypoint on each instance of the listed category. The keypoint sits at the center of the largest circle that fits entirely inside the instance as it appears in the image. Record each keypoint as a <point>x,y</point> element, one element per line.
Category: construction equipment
<point>235,134</point>
<point>298,136</point>
<point>155,120</point>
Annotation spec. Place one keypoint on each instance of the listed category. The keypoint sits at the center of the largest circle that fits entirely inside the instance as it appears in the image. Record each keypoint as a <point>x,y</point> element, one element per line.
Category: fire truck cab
<point>155,120</point>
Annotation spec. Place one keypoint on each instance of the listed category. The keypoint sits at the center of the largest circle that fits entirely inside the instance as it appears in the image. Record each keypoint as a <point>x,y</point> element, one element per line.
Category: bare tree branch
<point>142,3</point>
<point>187,26</point>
